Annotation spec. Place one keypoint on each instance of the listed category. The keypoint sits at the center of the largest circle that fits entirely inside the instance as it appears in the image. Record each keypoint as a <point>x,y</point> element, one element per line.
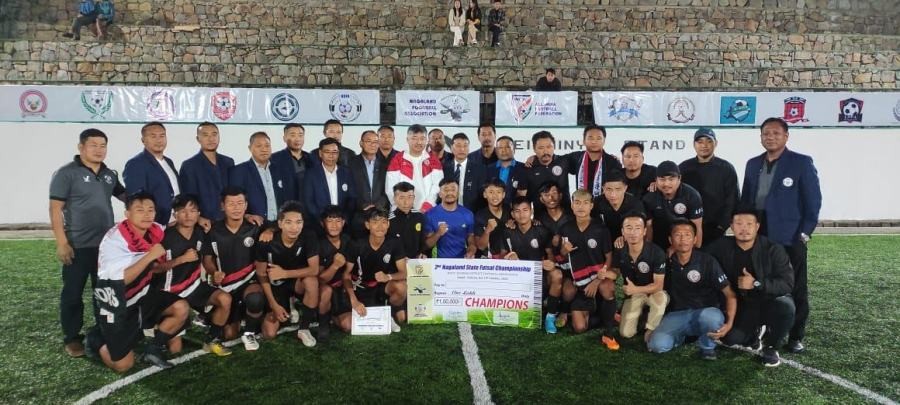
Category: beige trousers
<point>634,305</point>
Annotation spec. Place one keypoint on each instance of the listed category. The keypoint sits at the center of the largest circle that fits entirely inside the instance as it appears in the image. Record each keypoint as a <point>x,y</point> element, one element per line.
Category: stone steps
<point>522,39</point>
<point>444,67</point>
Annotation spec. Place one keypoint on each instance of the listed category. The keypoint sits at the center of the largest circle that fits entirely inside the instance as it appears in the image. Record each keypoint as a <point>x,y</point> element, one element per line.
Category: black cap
<point>668,168</point>
<point>707,132</point>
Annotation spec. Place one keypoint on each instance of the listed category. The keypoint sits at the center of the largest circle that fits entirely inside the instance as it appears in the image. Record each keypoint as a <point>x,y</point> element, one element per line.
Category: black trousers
<point>777,313</point>
<point>81,21</point>
<point>71,303</point>
<point>495,35</point>
<point>797,254</point>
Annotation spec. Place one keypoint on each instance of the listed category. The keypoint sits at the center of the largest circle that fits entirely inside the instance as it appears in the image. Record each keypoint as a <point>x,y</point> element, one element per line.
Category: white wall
<point>854,164</point>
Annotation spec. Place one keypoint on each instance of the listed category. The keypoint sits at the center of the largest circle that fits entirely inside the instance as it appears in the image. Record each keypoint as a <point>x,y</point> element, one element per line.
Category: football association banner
<point>438,107</point>
<point>117,104</point>
<point>481,292</point>
<point>537,108</point>
<point>693,109</point>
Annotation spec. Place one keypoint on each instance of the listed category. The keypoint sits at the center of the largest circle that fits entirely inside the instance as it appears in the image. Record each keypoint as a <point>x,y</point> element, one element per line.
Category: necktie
<point>456,173</point>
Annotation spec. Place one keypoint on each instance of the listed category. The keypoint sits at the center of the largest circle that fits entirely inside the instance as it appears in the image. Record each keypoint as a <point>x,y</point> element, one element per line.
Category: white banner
<point>537,108</point>
<point>807,109</point>
<point>187,104</point>
<point>482,292</point>
<point>438,107</point>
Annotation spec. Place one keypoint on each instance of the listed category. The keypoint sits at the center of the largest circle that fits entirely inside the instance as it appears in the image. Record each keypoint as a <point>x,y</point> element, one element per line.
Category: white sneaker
<point>306,337</point>
<point>395,328</point>
<point>250,343</point>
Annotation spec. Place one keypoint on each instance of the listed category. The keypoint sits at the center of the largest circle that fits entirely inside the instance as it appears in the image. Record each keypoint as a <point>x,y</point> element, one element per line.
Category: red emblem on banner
<point>224,104</point>
<point>795,110</point>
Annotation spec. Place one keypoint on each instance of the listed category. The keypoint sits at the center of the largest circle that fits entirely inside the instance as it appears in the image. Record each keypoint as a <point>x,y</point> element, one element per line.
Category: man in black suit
<point>335,130</point>
<point>470,176</point>
<point>368,170</point>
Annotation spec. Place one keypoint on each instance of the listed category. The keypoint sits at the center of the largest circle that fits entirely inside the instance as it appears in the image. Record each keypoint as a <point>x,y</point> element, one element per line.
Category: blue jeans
<point>675,326</point>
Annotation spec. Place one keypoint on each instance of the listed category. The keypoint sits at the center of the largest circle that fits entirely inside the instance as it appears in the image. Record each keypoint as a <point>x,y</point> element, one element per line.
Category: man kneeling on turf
<point>643,268</point>
<point>126,303</point>
<point>288,266</point>
<point>181,272</point>
<point>375,271</point>
<point>695,282</point>
<point>332,258</point>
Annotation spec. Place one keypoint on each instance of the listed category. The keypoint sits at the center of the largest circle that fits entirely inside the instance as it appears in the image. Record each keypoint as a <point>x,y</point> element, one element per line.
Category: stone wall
<point>594,44</point>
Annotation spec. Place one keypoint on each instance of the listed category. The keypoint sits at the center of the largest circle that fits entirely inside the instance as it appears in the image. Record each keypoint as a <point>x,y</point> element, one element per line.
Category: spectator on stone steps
<point>549,82</point>
<point>496,23</point>
<point>106,11</point>
<point>87,14</point>
<point>473,22</point>
<point>457,22</point>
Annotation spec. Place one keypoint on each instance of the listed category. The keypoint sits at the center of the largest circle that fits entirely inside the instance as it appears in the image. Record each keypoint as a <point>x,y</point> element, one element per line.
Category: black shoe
<point>323,333</point>
<point>770,357</point>
<point>68,35</point>
<point>795,346</point>
<point>755,346</point>
<point>154,355</point>
<point>708,354</point>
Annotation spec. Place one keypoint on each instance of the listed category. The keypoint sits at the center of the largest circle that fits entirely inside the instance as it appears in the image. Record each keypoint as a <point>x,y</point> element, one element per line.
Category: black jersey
<point>531,245</point>
<point>638,185</point>
<point>591,245</point>
<point>551,224</point>
<point>327,251</point>
<point>695,285</point>
<point>292,257</point>
<point>610,217</point>
<point>495,242</point>
<point>410,229</point>
<point>233,252</point>
<point>651,261</point>
<point>685,204</point>
<point>186,277</point>
<point>368,261</point>
<point>538,174</point>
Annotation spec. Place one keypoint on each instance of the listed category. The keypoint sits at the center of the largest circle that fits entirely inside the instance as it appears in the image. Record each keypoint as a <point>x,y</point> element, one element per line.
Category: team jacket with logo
<point>401,169</point>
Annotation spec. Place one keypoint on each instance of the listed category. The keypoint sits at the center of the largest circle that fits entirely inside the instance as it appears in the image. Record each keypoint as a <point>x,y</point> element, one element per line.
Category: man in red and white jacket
<point>416,167</point>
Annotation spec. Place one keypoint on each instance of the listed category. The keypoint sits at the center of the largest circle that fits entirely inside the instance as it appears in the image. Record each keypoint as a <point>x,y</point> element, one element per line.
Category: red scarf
<point>139,243</point>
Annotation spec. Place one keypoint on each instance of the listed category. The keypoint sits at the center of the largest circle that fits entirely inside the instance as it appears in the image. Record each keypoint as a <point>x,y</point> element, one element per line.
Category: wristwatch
<point>804,238</point>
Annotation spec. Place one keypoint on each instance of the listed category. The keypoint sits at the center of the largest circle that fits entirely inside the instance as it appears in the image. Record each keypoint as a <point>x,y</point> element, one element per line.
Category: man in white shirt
<point>470,176</point>
<point>152,172</point>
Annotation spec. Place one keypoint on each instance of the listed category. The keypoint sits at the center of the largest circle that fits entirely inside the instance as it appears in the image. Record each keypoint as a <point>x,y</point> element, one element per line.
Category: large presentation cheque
<point>482,292</point>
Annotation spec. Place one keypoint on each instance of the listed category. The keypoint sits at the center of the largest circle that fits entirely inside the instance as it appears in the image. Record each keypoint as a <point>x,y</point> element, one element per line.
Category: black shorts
<point>153,305</point>
<point>125,332</point>
<point>370,297</point>
<point>282,294</point>
<point>199,299</point>
<point>237,302</point>
<point>582,302</point>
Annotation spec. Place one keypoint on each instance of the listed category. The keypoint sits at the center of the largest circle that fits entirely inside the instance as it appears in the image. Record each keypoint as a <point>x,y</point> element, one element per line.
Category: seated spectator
<point>87,14</point>
<point>473,22</point>
<point>496,23</point>
<point>105,13</point>
<point>457,21</point>
<point>549,82</point>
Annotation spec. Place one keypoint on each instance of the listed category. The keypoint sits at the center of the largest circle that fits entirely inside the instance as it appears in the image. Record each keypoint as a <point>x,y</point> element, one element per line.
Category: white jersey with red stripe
<point>115,256</point>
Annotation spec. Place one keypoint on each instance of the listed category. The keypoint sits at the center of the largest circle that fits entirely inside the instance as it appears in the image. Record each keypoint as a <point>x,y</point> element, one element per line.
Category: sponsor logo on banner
<point>681,110</point>
<point>523,105</point>
<point>737,110</point>
<point>455,105</point>
<point>97,102</point>
<point>161,105</point>
<point>224,104</point>
<point>345,107</point>
<point>625,108</point>
<point>33,103</point>
<point>285,107</point>
<point>795,110</point>
<point>851,110</point>
<point>897,111</point>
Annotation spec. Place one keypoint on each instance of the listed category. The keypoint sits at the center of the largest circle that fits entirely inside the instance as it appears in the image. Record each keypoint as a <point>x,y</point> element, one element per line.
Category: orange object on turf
<point>610,343</point>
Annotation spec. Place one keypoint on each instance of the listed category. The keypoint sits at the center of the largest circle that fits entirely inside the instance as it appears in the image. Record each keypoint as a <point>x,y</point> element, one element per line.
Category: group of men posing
<point>328,232</point>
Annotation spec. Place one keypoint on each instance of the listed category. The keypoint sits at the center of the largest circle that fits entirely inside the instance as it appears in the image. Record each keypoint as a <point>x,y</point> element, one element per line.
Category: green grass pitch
<point>854,333</point>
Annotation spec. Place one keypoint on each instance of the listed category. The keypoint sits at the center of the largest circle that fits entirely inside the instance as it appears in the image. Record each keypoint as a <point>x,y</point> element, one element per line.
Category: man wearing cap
<point>716,181</point>
<point>784,186</point>
<point>670,201</point>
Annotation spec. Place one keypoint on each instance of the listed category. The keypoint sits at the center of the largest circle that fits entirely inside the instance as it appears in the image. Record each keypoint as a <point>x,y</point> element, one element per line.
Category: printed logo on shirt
<point>787,182</point>
<point>557,171</point>
<point>108,179</point>
<point>534,243</point>
<point>680,208</point>
<point>418,227</point>
<point>33,103</point>
<point>643,267</point>
<point>299,249</point>
<point>280,184</point>
<point>97,102</point>
<point>248,241</point>
<point>592,243</point>
<point>345,107</point>
<point>87,179</point>
<point>851,110</point>
<point>387,258</point>
<point>285,107</point>
<point>344,187</point>
<point>693,276</point>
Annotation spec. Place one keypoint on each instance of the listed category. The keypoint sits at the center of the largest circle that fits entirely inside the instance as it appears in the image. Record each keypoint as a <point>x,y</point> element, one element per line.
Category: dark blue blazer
<point>246,176</point>
<point>514,182</point>
<point>143,173</point>
<point>284,159</point>
<point>794,200</point>
<point>475,176</point>
<point>201,178</point>
<point>315,192</point>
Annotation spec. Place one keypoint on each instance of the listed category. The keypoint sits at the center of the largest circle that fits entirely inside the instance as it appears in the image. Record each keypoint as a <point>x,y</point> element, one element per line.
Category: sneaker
<point>68,35</point>
<point>153,354</point>
<point>756,346</point>
<point>770,357</point>
<point>306,337</point>
<point>201,320</point>
<point>216,347</point>
<point>74,349</point>
<point>250,343</point>
<point>395,327</point>
<point>795,346</point>
<point>550,323</point>
<point>610,343</point>
<point>562,320</point>
<point>708,354</point>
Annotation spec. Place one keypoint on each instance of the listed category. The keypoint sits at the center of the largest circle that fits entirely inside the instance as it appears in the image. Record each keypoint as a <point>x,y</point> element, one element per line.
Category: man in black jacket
<point>716,180</point>
<point>760,271</point>
<point>369,170</point>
